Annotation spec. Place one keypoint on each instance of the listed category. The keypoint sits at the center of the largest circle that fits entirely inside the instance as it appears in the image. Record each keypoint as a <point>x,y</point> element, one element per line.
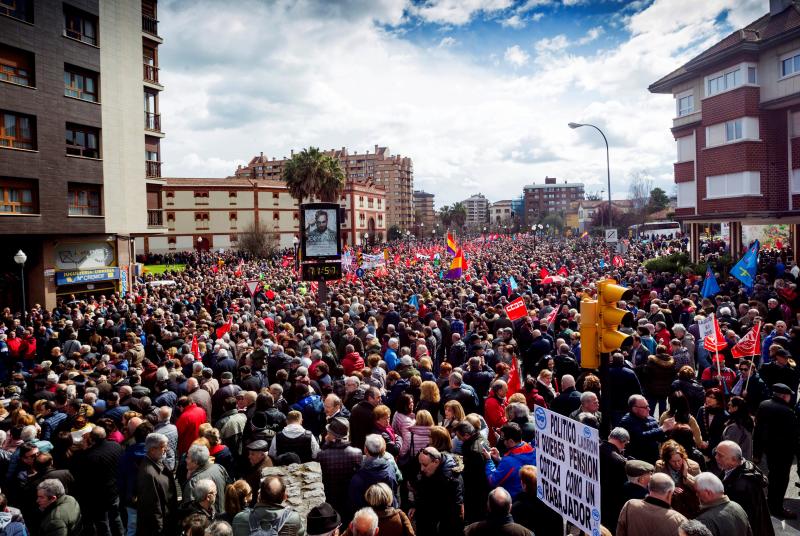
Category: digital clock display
<point>323,270</point>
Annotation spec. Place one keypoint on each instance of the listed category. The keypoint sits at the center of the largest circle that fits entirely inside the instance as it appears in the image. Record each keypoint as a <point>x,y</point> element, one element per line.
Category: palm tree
<point>445,216</point>
<point>458,213</point>
<point>311,173</point>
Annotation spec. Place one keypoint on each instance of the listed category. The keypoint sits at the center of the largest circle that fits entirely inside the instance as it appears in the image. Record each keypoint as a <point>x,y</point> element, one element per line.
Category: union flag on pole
<point>618,261</point>
<point>516,309</point>
<point>514,379</point>
<point>225,328</point>
<point>552,316</point>
<point>563,272</point>
<point>715,341</point>
<point>750,344</point>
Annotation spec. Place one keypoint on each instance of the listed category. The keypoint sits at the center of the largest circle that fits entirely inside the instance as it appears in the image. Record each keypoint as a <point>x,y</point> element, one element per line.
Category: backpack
<point>275,526</point>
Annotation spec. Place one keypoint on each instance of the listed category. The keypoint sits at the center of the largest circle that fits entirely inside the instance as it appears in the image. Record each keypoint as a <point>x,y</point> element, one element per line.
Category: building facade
<point>73,188</point>
<point>477,207</point>
<point>500,213</point>
<point>550,197</point>
<point>737,128</point>
<point>587,209</point>
<point>207,214</point>
<point>424,213</point>
<point>394,173</point>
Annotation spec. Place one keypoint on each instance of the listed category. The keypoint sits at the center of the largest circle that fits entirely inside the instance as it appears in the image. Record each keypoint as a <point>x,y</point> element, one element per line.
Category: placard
<point>516,309</point>
<point>320,236</point>
<point>568,460</point>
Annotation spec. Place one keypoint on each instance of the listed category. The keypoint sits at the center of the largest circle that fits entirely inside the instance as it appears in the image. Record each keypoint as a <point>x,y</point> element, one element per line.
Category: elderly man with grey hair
<point>652,515</point>
<point>745,485</point>
<point>156,492</point>
<point>590,403</point>
<point>169,430</point>
<point>722,516</point>
<point>61,513</point>
<point>374,469</point>
<point>200,468</point>
<point>499,520</point>
<point>203,499</point>
<point>365,523</point>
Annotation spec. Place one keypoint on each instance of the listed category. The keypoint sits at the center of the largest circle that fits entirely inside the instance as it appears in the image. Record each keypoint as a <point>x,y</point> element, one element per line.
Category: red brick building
<point>737,128</point>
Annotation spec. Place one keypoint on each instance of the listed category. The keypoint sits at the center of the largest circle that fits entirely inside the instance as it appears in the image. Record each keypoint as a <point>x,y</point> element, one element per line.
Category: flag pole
<point>752,362</point>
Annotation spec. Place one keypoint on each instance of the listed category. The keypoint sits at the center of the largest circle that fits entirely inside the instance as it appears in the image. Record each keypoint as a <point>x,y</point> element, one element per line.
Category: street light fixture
<point>608,164</point>
<point>20,259</point>
<point>366,239</point>
<point>296,246</point>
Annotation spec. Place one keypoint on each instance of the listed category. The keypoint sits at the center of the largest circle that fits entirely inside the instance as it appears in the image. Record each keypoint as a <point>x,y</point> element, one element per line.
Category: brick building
<point>424,212</point>
<point>394,172</point>
<point>737,128</point>
<point>209,214</point>
<point>75,181</point>
<point>550,197</point>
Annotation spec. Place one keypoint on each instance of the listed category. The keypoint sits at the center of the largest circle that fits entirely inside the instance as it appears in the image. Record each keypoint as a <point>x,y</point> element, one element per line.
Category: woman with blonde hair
<point>221,453</point>
<point>420,432</point>
<point>429,399</point>
<point>237,498</point>
<point>391,521</point>
<point>440,439</point>
<point>453,414</point>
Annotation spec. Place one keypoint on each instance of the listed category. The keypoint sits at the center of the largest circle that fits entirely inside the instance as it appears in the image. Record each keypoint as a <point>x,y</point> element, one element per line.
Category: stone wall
<point>303,485</point>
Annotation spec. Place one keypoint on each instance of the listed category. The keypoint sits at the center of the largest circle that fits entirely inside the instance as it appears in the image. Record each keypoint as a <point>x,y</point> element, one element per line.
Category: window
<point>234,238</point>
<point>172,242</point>
<point>733,184</point>
<point>724,82</point>
<point>275,195</point>
<point>16,66</point>
<point>17,131</point>
<point>84,200</point>
<point>170,198</point>
<point>18,9</point>
<point>170,216</point>
<point>685,105</point>
<point>790,65</point>
<point>200,197</point>
<point>733,130</point>
<point>275,216</point>
<point>687,194</point>
<point>201,220</point>
<point>83,141</point>
<point>751,75</point>
<point>80,25</point>
<point>18,196</point>
<point>80,84</point>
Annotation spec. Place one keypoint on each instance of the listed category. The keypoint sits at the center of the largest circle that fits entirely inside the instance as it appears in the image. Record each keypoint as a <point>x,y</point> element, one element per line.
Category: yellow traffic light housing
<point>609,316</point>
<point>590,357</point>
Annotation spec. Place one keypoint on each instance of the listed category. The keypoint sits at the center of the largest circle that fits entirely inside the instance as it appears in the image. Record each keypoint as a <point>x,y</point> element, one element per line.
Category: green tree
<point>394,233</point>
<point>458,214</point>
<point>311,173</point>
<point>445,216</point>
<point>658,200</point>
<point>555,221</point>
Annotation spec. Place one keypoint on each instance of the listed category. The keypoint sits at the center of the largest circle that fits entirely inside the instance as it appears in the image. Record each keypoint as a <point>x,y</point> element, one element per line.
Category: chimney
<point>549,180</point>
<point>777,7</point>
<point>292,151</point>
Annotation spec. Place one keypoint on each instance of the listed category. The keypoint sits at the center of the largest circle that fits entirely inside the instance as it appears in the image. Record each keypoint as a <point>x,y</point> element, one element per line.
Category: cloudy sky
<point>477,92</point>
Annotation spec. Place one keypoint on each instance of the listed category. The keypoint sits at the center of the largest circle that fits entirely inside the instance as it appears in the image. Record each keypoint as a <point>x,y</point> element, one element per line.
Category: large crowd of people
<point>156,413</point>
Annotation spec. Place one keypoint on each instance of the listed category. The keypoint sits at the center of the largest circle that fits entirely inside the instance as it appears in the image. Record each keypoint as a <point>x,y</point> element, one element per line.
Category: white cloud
<point>458,11</point>
<point>552,44</point>
<point>514,21</point>
<point>447,42</point>
<point>590,36</point>
<point>536,17</point>
<point>281,76</point>
<point>516,56</point>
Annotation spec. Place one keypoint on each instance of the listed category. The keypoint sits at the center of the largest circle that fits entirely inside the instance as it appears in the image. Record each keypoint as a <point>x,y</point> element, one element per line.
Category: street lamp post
<point>608,165</point>
<point>366,239</point>
<point>296,246</point>
<point>422,229</point>
<point>20,259</point>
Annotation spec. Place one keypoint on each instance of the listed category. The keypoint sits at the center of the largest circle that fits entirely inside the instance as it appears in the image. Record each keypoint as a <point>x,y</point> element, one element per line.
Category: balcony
<point>150,73</point>
<point>152,169</point>
<point>155,218</point>
<point>152,122</point>
<point>149,25</point>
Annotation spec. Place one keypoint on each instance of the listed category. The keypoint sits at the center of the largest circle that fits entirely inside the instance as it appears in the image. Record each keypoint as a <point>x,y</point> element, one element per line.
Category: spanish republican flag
<point>451,245</point>
<point>585,234</point>
<point>456,266</point>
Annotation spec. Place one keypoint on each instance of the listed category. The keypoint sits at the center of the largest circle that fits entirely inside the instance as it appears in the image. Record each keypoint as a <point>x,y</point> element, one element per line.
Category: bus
<point>656,229</point>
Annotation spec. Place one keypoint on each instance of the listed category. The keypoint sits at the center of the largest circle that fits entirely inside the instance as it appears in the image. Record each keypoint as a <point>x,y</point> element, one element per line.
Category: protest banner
<point>516,309</point>
<point>568,459</point>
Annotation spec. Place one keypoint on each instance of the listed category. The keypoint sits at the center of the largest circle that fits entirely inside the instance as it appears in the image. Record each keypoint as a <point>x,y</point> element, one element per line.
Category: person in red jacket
<point>188,424</point>
<point>27,349</point>
<point>14,343</point>
<point>494,409</point>
<point>352,360</point>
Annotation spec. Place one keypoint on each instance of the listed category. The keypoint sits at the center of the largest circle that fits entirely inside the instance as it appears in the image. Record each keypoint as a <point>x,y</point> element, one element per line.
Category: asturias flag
<point>451,245</point>
<point>710,286</point>
<point>745,270</point>
<point>414,301</point>
<point>456,266</point>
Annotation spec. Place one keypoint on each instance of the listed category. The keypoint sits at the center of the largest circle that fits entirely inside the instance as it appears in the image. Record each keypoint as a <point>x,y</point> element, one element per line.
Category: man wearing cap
<point>257,456</point>
<point>638,474</point>
<point>339,461</point>
<point>776,435</point>
<point>652,515</point>
<point>323,520</point>
<point>781,370</point>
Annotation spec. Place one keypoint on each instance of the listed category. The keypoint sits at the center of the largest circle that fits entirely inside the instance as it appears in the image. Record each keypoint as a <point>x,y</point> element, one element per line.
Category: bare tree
<point>640,186</point>
<point>258,241</point>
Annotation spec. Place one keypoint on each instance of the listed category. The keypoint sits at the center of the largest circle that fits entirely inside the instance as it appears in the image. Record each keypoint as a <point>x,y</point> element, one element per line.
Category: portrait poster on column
<point>320,235</point>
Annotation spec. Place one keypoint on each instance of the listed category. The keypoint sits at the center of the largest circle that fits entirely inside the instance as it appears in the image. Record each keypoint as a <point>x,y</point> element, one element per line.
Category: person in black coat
<point>619,383</point>
<point>157,496</point>
<point>750,385</point>
<point>776,435</point>
<point>476,486</point>
<point>438,495</point>
<point>645,432</point>
<point>362,420</point>
<point>745,485</point>
<point>569,399</point>
<point>612,475</point>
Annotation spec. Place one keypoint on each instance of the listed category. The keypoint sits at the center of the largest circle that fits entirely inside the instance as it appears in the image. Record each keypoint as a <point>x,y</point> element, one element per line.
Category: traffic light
<point>590,357</point>
<point>609,316</point>
<point>359,259</point>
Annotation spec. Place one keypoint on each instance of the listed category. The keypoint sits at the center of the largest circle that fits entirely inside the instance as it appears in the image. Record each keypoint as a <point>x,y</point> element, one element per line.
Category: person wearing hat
<point>339,461</point>
<point>776,435</point>
<point>323,520</point>
<point>258,459</point>
<point>638,473</point>
<point>653,514</point>
<point>781,369</point>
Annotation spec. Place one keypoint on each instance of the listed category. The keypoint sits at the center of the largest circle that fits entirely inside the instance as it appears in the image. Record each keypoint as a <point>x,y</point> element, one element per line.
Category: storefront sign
<point>123,280</point>
<point>83,255</point>
<point>75,277</point>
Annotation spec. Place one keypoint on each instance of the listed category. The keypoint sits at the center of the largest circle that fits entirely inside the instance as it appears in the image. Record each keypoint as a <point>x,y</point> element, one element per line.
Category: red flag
<point>485,280</point>
<point>195,348</point>
<point>715,342</point>
<point>516,309</point>
<point>552,316</point>
<point>238,272</point>
<point>618,261</point>
<point>750,344</point>
<point>222,330</point>
<point>314,286</point>
<point>778,244</point>
<point>514,380</point>
<point>563,272</point>
<point>543,273</point>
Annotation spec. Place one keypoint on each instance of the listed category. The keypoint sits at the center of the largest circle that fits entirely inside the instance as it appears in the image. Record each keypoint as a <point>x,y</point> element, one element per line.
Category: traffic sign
<point>252,286</point>
<point>611,236</point>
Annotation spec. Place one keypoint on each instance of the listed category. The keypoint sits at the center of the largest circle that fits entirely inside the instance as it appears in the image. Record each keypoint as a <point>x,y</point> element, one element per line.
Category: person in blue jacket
<point>504,472</point>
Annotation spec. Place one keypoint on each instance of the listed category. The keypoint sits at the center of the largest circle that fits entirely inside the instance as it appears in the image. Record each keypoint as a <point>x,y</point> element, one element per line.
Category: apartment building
<point>477,207</point>
<point>206,214</point>
<point>424,213</point>
<point>500,213</point>
<point>737,128</point>
<point>73,187</point>
<point>550,197</point>
<point>394,173</point>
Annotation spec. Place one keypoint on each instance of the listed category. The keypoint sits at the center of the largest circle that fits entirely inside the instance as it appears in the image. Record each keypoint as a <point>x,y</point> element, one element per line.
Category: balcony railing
<point>150,25</point>
<point>152,169</point>
<point>150,73</point>
<point>152,122</point>
<point>155,218</point>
